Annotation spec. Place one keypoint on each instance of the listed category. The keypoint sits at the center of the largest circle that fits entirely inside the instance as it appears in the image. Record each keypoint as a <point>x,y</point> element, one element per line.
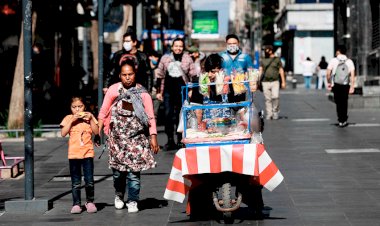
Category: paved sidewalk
<point>331,177</point>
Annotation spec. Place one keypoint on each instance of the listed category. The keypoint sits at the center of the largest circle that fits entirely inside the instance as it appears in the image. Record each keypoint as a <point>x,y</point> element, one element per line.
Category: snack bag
<point>226,87</point>
<point>253,78</point>
<point>238,83</point>
<point>219,82</point>
<point>204,82</point>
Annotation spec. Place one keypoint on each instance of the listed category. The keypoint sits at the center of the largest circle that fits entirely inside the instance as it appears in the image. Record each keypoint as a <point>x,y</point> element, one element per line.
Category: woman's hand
<point>153,144</point>
<point>159,97</point>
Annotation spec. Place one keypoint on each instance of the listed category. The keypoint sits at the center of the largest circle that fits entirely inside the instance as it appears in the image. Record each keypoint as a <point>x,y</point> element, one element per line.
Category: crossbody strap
<point>265,69</point>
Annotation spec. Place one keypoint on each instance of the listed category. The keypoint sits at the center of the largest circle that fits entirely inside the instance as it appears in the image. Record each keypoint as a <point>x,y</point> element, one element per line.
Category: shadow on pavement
<point>152,203</point>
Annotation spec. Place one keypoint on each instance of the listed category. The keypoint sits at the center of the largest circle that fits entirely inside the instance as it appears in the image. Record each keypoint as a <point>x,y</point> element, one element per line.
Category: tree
<point>16,105</point>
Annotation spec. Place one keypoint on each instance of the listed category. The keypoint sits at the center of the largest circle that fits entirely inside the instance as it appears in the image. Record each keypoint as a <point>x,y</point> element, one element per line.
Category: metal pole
<point>100,52</point>
<point>28,125</point>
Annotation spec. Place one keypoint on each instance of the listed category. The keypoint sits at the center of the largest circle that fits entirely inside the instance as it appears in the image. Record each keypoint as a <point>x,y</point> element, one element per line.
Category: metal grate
<point>375,34</point>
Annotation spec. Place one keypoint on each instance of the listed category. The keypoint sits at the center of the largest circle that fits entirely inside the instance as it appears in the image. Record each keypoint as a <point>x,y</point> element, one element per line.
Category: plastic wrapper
<point>204,82</point>
<point>220,83</point>
<point>238,83</point>
<point>253,79</point>
<point>226,87</point>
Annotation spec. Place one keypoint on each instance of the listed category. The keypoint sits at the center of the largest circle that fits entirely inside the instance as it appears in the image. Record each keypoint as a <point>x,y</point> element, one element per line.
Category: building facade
<point>304,28</point>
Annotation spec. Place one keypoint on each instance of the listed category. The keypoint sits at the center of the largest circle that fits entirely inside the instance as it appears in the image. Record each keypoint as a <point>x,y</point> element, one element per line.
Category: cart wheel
<point>226,197</point>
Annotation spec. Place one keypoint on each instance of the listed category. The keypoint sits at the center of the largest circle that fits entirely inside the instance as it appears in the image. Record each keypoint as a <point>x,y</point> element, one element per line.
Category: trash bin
<point>294,83</point>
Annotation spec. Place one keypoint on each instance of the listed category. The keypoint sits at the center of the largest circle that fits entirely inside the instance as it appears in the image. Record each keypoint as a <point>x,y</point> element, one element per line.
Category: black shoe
<point>343,124</point>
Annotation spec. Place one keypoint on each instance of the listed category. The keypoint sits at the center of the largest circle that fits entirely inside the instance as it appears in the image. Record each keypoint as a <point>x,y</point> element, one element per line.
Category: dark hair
<point>213,61</point>
<point>132,35</point>
<point>77,97</point>
<point>323,59</point>
<point>129,60</point>
<point>268,48</point>
<point>308,59</point>
<point>178,39</point>
<point>154,53</point>
<point>341,49</point>
<point>232,36</point>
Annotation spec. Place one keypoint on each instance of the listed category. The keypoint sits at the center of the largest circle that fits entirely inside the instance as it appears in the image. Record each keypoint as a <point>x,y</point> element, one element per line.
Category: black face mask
<point>267,55</point>
<point>178,57</point>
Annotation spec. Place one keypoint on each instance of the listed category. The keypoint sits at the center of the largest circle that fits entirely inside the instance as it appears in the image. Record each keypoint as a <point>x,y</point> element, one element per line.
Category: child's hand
<point>154,145</point>
<point>87,116</point>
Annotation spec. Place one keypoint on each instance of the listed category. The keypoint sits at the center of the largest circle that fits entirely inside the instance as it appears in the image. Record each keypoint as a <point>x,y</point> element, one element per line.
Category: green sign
<point>205,22</point>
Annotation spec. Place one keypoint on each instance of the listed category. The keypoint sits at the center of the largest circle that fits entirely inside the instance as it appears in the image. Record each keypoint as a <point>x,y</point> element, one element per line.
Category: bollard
<point>294,83</point>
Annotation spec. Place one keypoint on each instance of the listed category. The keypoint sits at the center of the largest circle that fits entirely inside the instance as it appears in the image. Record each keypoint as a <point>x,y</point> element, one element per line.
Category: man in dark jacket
<point>144,73</point>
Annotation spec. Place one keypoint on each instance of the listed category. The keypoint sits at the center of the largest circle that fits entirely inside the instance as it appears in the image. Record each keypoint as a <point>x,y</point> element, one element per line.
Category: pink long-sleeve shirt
<point>112,94</point>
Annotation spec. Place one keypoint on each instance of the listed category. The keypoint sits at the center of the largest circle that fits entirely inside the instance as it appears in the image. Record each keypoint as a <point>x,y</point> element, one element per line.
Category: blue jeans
<point>119,183</point>
<point>76,179</point>
<point>307,80</point>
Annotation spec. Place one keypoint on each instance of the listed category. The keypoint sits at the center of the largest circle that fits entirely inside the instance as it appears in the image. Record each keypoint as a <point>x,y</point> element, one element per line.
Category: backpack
<point>342,73</point>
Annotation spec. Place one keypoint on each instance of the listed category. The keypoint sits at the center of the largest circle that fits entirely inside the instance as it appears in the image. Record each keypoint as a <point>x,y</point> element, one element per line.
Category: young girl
<point>80,125</point>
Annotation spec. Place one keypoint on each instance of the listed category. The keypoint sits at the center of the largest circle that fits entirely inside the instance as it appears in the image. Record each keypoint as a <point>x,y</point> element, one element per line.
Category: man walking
<point>271,70</point>
<point>341,80</point>
<point>144,73</point>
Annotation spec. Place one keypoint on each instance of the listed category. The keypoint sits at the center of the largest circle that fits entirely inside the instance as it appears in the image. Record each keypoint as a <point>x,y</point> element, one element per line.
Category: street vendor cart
<point>224,158</point>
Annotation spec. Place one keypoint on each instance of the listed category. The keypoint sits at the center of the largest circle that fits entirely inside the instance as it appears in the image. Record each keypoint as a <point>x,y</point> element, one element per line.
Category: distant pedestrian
<point>308,71</point>
<point>130,47</point>
<point>272,71</point>
<point>321,70</point>
<point>341,80</point>
<point>175,70</point>
<point>198,58</point>
<point>128,120</point>
<point>80,125</point>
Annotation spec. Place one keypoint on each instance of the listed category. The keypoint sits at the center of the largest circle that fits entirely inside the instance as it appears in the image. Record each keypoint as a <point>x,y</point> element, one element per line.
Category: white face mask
<point>232,48</point>
<point>127,46</point>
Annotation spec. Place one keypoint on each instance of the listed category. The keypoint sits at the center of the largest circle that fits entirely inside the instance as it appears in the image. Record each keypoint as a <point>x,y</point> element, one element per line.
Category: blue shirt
<point>241,63</point>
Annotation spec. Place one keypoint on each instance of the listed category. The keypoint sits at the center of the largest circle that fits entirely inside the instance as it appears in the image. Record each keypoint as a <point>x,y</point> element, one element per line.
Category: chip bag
<point>253,78</point>
<point>219,82</point>
<point>238,83</point>
<point>204,82</point>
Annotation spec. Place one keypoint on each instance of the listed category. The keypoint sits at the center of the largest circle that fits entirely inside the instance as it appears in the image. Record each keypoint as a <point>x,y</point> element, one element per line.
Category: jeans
<point>341,101</point>
<point>119,183</point>
<point>76,179</point>
<point>307,80</point>
<point>173,105</point>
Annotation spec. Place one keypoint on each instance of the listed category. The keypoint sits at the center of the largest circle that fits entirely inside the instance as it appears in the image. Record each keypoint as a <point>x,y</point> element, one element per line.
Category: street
<point>332,174</point>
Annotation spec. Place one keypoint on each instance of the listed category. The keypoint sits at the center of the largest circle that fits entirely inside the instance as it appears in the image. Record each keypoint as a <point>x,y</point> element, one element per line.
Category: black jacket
<point>143,75</point>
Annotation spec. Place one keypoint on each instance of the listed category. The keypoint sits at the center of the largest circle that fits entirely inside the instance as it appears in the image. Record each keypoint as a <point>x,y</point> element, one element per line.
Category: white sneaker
<point>132,207</point>
<point>119,203</point>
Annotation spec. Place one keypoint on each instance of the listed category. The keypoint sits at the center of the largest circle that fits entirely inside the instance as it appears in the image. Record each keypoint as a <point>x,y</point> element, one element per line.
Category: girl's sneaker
<point>132,207</point>
<point>91,208</point>
<point>76,209</point>
<point>119,203</point>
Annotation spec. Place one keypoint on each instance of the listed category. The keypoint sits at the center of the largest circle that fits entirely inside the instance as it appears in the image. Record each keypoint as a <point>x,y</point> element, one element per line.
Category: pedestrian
<point>271,72</point>
<point>154,59</point>
<point>144,73</point>
<point>233,58</point>
<point>80,125</point>
<point>341,80</point>
<point>175,70</point>
<point>198,58</point>
<point>322,68</point>
<point>213,66</point>
<point>308,71</point>
<point>127,118</point>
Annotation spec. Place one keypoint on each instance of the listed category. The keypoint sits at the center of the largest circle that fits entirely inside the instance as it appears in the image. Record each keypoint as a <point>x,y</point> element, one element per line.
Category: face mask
<point>127,46</point>
<point>232,49</point>
<point>154,62</point>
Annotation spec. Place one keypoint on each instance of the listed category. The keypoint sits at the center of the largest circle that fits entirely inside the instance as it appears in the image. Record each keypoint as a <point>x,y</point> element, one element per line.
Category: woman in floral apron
<point>127,117</point>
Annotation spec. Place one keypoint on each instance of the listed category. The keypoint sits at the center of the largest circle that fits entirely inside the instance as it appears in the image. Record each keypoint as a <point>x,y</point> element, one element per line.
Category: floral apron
<point>128,142</point>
